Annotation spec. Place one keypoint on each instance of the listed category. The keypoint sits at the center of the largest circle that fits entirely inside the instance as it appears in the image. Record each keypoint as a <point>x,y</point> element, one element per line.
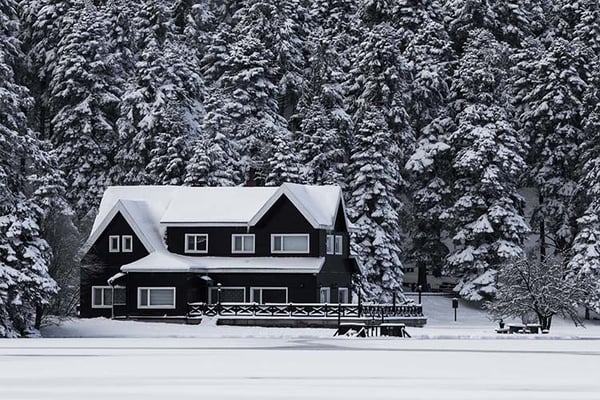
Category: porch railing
<point>306,310</point>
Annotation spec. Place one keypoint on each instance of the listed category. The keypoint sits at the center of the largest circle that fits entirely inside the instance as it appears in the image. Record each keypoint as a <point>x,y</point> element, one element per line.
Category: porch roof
<point>162,261</point>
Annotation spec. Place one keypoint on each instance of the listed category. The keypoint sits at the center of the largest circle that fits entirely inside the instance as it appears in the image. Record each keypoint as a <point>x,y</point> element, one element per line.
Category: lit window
<point>242,243</point>
<point>196,243</point>
<point>290,243</point>
<point>127,243</point>
<point>157,297</point>
<point>339,245</point>
<point>330,244</point>
<point>113,243</point>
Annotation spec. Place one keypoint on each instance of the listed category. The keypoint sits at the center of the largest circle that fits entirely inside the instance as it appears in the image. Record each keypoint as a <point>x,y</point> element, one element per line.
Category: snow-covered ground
<point>102,359</point>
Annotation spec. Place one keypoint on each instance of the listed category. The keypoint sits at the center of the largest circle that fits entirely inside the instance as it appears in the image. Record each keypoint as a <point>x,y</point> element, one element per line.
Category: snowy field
<point>105,359</point>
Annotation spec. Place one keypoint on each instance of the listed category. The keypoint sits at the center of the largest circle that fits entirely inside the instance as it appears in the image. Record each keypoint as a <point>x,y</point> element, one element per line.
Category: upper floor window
<point>339,244</point>
<point>114,244</point>
<point>290,243</point>
<point>196,243</point>
<point>127,243</point>
<point>330,239</point>
<point>335,244</point>
<point>242,244</point>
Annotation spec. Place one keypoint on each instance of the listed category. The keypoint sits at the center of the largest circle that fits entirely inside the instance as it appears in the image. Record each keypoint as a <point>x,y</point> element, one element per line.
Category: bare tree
<point>542,288</point>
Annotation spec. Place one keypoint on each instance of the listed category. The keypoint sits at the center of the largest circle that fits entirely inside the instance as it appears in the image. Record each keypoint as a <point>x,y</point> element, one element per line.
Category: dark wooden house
<point>155,249</point>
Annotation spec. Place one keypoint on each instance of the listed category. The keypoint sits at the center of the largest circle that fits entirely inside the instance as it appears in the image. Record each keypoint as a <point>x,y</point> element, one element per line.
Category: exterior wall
<point>185,292</point>
<point>283,217</point>
<point>302,288</point>
<point>99,265</point>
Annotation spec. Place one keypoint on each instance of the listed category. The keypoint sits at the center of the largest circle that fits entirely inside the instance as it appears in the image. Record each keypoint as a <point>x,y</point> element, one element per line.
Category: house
<point>153,250</point>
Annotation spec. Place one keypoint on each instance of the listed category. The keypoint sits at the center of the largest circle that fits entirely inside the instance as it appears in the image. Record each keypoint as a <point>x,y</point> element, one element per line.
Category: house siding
<point>99,265</point>
<point>283,217</point>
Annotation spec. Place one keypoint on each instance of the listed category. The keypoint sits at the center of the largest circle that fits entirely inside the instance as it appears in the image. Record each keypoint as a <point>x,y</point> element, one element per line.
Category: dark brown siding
<point>99,265</point>
<point>118,226</point>
<point>184,293</point>
<point>302,288</point>
<point>283,217</point>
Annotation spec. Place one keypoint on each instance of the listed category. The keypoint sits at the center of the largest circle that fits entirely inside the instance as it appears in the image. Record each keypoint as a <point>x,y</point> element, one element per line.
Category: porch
<point>324,315</point>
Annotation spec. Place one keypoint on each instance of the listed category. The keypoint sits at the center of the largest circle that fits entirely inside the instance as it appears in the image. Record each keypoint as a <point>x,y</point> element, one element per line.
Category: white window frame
<point>330,245</point>
<point>210,289</point>
<point>185,244</point>
<point>341,245</point>
<point>325,290</point>
<point>343,289</point>
<point>274,235</point>
<point>111,248</point>
<point>161,307</point>
<point>243,236</point>
<point>125,249</point>
<point>261,288</point>
<point>94,297</point>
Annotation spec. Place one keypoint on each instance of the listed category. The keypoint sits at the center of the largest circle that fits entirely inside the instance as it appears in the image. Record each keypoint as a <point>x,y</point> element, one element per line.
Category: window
<point>242,243</point>
<point>330,244</point>
<point>156,297</point>
<point>228,295</point>
<point>264,295</point>
<point>290,243</point>
<point>324,295</point>
<point>343,295</point>
<point>196,243</point>
<point>339,244</point>
<point>113,243</point>
<point>127,243</point>
<point>102,296</point>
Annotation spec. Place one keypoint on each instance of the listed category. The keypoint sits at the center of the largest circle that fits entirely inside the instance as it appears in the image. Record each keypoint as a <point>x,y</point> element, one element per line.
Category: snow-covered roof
<point>163,261</point>
<point>149,209</point>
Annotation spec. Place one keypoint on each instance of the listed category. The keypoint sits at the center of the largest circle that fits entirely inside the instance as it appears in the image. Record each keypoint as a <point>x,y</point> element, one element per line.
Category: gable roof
<point>149,209</point>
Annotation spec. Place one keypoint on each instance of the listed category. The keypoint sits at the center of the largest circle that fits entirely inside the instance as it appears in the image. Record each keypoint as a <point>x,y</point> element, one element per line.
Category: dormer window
<point>196,243</point>
<point>290,243</point>
<point>330,246</point>
<point>114,244</point>
<point>127,243</point>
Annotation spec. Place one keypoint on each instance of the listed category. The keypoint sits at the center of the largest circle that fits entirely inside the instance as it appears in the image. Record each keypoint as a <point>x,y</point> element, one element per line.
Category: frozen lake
<point>298,368</point>
<point>104,359</point>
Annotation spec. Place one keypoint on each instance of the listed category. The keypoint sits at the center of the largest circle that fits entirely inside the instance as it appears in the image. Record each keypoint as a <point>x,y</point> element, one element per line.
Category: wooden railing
<point>306,310</point>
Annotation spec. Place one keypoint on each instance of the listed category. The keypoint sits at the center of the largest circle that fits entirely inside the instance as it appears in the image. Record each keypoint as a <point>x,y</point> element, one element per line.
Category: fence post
<point>339,315</point>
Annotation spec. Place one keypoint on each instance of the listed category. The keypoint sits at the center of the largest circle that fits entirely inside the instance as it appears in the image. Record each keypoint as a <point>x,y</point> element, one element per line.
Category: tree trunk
<point>39,313</point>
<point>542,231</point>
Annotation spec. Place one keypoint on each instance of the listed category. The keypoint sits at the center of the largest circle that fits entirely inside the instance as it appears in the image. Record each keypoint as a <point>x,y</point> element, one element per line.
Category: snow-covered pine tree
<point>377,88</point>
<point>42,24</point>
<point>85,94</point>
<point>166,87</point>
<point>549,85</point>
<point>246,96</point>
<point>486,217</point>
<point>373,206</point>
<point>325,126</point>
<point>24,255</point>
<point>285,164</point>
